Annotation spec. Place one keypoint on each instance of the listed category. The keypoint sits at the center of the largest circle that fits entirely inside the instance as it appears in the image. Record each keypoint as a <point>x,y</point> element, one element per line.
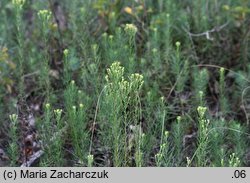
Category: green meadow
<point>119,83</point>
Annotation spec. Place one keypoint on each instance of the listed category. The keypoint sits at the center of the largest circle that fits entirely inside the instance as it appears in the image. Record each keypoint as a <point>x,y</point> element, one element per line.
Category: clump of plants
<point>124,83</point>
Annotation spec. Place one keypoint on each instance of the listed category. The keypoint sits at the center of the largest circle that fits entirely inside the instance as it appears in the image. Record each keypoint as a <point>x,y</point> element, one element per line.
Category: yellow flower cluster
<point>130,29</point>
<point>90,158</point>
<point>45,15</point>
<point>117,83</point>
<point>58,112</point>
<point>178,44</point>
<point>115,72</point>
<point>178,119</point>
<point>81,105</point>
<point>47,106</point>
<point>201,110</point>
<point>222,70</point>
<point>18,3</point>
<point>13,118</point>
<point>136,81</point>
<point>66,52</point>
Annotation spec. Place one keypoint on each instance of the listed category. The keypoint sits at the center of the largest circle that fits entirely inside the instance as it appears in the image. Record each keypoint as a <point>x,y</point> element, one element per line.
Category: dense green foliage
<point>125,83</point>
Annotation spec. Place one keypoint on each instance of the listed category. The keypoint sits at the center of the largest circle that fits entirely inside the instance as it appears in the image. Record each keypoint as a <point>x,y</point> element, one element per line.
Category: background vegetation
<point>124,83</point>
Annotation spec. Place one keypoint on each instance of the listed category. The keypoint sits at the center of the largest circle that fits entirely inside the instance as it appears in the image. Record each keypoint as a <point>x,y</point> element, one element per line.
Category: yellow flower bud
<point>128,10</point>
